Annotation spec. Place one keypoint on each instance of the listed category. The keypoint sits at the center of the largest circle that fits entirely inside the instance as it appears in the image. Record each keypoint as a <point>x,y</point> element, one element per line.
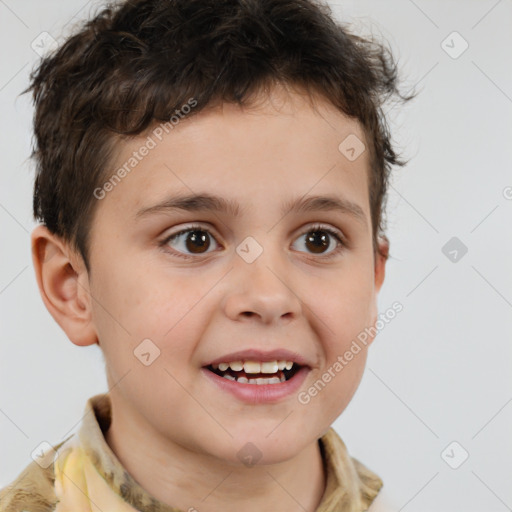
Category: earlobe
<point>63,283</point>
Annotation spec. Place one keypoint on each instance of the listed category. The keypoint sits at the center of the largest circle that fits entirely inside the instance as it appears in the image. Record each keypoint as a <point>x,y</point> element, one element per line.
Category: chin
<point>267,446</point>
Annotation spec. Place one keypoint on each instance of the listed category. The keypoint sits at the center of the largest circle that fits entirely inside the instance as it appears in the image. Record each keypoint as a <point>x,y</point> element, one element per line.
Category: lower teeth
<point>258,381</point>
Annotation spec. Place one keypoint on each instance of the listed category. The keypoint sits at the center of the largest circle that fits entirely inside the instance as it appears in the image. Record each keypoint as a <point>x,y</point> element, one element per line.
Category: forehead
<point>280,148</point>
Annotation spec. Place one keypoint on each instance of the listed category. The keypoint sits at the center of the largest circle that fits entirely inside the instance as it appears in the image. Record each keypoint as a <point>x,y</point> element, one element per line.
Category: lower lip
<point>259,393</point>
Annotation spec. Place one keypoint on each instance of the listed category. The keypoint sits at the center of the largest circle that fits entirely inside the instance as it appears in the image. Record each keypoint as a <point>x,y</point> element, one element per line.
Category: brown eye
<point>197,241</point>
<point>190,241</point>
<point>317,241</point>
<point>322,241</point>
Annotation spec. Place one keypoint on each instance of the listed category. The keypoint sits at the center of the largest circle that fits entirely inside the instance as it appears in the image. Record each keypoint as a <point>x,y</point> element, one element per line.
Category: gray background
<point>440,371</point>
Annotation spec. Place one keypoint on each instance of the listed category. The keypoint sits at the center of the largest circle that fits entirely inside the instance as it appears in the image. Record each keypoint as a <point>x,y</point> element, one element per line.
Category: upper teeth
<point>255,366</point>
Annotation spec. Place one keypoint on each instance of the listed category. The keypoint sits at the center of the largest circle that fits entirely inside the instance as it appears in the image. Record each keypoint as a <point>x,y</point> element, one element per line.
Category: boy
<point>210,180</point>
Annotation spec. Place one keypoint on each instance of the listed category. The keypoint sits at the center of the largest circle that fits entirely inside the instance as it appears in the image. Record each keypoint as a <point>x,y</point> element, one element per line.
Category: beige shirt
<point>82,474</point>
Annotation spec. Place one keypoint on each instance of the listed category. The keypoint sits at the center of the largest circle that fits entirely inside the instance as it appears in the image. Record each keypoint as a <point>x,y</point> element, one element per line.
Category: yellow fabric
<point>86,476</point>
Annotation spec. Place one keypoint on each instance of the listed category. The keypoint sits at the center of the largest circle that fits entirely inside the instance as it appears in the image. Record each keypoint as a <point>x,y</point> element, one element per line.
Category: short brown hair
<point>138,61</point>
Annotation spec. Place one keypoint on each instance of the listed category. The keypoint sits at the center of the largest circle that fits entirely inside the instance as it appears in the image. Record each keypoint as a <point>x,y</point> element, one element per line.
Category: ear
<point>381,257</point>
<point>64,285</point>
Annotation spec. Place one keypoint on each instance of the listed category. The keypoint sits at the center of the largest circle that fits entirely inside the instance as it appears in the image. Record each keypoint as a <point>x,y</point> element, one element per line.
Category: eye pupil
<point>197,239</point>
<point>319,239</point>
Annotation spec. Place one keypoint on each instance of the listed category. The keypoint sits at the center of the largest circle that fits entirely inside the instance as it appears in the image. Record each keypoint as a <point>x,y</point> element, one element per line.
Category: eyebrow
<point>208,202</point>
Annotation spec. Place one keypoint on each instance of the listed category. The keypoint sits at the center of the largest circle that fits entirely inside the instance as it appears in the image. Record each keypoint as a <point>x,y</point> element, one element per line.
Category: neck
<point>192,481</point>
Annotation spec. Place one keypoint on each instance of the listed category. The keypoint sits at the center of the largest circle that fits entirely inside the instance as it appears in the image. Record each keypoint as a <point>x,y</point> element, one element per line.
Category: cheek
<point>333,387</point>
<point>345,305</point>
<point>345,382</point>
<point>133,305</point>
<point>131,294</point>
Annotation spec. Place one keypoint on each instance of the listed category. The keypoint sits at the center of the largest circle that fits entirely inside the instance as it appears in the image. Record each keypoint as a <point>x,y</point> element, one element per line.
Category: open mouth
<point>252,372</point>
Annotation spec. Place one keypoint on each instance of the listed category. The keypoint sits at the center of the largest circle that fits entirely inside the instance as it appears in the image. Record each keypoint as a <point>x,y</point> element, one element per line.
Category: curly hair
<point>136,62</point>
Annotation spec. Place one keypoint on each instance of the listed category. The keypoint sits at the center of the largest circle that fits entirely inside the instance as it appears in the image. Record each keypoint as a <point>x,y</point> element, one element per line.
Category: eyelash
<point>341,243</point>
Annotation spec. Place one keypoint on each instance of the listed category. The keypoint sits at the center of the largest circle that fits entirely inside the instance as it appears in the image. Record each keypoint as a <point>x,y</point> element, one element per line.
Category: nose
<point>261,292</point>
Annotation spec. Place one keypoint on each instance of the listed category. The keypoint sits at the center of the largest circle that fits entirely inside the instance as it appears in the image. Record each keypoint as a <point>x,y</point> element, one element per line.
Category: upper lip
<point>260,355</point>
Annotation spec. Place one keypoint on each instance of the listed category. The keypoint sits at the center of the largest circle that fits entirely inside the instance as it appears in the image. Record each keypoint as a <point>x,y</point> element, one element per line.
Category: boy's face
<point>304,293</point>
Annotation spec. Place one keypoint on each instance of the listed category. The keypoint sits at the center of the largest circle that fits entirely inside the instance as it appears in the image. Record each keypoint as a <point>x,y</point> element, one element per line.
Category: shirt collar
<point>350,486</point>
